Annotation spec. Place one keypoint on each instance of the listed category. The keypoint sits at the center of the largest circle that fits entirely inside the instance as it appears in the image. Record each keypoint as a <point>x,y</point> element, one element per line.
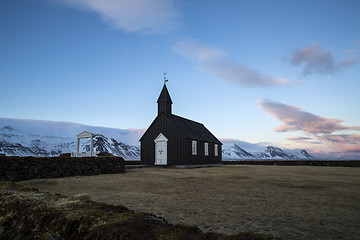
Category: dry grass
<point>288,202</point>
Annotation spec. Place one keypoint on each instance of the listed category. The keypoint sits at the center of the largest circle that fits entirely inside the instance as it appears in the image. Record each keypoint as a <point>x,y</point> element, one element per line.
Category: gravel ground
<point>287,202</point>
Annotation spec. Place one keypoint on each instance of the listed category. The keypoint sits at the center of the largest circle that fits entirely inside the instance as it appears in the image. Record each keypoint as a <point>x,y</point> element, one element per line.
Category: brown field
<point>287,202</point>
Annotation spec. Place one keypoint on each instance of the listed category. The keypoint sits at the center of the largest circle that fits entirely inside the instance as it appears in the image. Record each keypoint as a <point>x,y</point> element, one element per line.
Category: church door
<point>161,150</point>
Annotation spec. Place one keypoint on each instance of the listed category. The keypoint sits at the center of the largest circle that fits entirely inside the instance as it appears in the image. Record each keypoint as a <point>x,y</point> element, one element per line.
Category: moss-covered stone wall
<point>329,163</point>
<point>25,168</point>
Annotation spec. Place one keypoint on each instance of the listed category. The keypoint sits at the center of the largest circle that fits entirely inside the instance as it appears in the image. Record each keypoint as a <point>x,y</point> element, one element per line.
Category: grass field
<point>287,202</point>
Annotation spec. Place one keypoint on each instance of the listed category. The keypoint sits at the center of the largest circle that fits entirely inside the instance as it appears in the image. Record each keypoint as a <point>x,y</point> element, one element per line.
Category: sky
<point>283,73</point>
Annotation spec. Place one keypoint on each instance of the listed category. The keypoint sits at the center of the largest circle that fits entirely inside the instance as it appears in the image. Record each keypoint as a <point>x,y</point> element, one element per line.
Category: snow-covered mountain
<point>26,141</point>
<point>234,152</point>
<point>116,148</point>
<point>67,130</point>
<point>48,138</point>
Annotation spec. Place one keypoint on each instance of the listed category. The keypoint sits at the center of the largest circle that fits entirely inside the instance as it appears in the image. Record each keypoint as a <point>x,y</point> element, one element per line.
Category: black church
<point>173,140</point>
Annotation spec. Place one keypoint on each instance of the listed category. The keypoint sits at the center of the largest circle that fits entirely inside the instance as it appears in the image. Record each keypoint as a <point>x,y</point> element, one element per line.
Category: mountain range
<point>46,138</point>
<point>14,142</point>
<point>234,152</point>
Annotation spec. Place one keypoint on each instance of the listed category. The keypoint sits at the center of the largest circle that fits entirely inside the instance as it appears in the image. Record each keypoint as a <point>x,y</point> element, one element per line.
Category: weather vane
<point>165,80</point>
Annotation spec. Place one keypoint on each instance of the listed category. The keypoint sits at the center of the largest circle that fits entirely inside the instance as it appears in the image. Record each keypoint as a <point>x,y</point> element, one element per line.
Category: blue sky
<point>284,73</point>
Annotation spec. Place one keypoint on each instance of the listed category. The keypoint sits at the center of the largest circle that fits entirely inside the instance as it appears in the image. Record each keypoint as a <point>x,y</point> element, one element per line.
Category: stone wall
<point>25,168</point>
<point>329,163</point>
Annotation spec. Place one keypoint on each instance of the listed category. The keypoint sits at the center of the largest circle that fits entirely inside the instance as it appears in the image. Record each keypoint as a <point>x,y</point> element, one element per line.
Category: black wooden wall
<point>200,157</point>
<point>179,149</point>
<point>175,144</point>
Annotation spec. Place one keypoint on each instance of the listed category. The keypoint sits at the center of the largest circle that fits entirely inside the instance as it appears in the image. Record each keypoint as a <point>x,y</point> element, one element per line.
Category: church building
<point>174,140</point>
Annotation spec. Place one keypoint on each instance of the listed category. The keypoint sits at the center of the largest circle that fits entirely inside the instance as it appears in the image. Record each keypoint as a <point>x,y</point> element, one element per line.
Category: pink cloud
<point>351,148</point>
<point>298,138</point>
<point>347,151</point>
<point>341,138</point>
<point>295,119</point>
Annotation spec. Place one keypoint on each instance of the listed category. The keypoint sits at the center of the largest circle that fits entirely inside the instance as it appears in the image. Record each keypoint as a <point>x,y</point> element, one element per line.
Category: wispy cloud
<point>351,149</point>
<point>320,128</point>
<point>299,139</point>
<point>295,119</point>
<point>341,138</point>
<point>216,61</point>
<point>241,74</point>
<point>192,49</point>
<point>161,16</point>
<point>315,59</point>
<point>345,146</point>
<point>149,16</point>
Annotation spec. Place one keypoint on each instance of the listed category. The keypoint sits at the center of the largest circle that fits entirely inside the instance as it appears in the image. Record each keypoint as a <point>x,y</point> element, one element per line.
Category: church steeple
<point>164,102</point>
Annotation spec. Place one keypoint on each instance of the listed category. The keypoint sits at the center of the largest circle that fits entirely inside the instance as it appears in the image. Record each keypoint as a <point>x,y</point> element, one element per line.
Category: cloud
<point>348,62</point>
<point>149,16</point>
<point>192,49</point>
<point>345,148</point>
<point>304,140</point>
<point>295,119</point>
<point>351,149</point>
<point>341,138</point>
<point>299,139</point>
<point>315,59</point>
<point>215,61</point>
<point>241,74</point>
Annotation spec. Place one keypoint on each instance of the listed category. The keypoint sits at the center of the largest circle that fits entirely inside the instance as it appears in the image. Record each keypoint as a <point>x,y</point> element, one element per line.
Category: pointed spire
<point>164,102</point>
<point>164,95</point>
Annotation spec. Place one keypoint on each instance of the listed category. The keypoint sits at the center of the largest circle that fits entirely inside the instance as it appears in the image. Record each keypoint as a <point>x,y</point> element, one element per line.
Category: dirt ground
<point>287,202</point>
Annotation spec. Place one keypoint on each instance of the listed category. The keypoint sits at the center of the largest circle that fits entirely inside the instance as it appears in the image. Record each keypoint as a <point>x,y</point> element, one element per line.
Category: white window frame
<point>194,147</point>
<point>216,150</point>
<point>206,149</point>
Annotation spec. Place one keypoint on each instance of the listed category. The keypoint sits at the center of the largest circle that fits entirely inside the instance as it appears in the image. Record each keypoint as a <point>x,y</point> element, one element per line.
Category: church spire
<point>164,102</point>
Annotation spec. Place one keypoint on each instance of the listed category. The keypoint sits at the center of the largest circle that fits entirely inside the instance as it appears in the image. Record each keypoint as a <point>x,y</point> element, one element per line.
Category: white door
<point>160,150</point>
<point>161,153</point>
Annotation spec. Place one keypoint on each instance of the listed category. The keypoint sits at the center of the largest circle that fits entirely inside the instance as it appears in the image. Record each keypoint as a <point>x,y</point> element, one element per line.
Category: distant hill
<point>20,137</point>
<point>234,152</point>
<point>47,138</point>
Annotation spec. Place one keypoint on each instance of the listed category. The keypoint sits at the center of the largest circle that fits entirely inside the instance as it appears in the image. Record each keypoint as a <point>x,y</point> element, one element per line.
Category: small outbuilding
<point>174,140</point>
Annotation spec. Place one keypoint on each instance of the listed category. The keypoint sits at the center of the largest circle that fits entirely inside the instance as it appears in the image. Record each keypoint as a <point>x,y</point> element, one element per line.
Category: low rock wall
<point>26,168</point>
<point>329,163</point>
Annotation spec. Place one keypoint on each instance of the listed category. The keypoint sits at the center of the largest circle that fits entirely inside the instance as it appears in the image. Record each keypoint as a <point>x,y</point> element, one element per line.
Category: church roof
<point>193,130</point>
<point>164,95</point>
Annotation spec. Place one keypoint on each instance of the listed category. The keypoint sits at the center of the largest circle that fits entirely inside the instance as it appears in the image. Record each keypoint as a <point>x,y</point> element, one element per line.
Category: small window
<point>194,147</point>
<point>216,150</point>
<point>206,147</point>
